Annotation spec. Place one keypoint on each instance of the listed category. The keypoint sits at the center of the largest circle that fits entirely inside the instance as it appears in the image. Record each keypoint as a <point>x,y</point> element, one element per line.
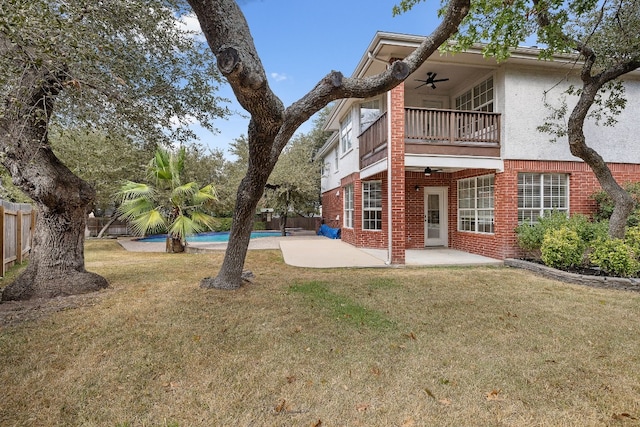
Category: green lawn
<point>304,347</point>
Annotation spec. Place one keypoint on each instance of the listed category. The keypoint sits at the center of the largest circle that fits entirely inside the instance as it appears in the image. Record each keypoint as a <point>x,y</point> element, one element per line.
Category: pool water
<point>210,237</point>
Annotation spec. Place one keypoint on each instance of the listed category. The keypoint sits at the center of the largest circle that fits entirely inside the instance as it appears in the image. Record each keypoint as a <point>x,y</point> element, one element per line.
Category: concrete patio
<point>311,251</point>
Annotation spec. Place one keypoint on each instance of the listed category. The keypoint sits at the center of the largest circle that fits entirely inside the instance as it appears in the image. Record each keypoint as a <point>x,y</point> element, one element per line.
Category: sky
<point>300,41</point>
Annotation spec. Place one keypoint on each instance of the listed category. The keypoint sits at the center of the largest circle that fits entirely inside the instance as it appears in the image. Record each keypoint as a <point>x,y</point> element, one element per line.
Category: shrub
<point>615,257</point>
<point>604,204</point>
<point>562,248</point>
<point>530,236</point>
<point>632,239</point>
<point>222,224</point>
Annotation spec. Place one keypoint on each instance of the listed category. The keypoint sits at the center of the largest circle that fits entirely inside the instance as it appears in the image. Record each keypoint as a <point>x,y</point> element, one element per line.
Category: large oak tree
<point>272,124</point>
<point>122,65</point>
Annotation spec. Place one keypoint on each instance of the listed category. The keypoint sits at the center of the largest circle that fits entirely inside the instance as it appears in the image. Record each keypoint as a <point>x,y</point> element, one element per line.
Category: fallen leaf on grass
<point>445,402</point>
<point>493,395</point>
<point>411,335</point>
<point>291,378</point>
<point>408,423</point>
<point>375,370</point>
<point>317,423</point>
<point>429,393</point>
<point>623,416</point>
<point>362,407</point>
<point>280,406</point>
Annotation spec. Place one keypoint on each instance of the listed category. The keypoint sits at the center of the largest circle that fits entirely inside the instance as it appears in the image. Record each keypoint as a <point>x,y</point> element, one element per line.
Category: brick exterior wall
<point>502,243</point>
<point>398,190</point>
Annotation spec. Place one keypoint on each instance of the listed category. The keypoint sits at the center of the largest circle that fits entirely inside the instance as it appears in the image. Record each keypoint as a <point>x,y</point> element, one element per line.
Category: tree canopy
<point>116,67</point>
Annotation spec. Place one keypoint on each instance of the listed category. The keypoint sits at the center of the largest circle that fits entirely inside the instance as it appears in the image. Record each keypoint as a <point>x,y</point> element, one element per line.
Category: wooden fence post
<point>19,214</point>
<point>2,236</point>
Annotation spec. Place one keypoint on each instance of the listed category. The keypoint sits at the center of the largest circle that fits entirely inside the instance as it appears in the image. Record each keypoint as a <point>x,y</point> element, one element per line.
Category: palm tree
<point>168,206</point>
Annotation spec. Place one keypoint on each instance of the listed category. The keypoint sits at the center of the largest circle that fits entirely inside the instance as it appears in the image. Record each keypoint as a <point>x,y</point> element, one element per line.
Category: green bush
<point>615,257</point>
<point>562,248</point>
<point>604,204</point>
<point>222,224</point>
<point>632,238</point>
<point>530,236</point>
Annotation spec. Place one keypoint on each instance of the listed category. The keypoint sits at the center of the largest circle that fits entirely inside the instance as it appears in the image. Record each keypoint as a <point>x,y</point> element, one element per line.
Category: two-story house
<point>453,158</point>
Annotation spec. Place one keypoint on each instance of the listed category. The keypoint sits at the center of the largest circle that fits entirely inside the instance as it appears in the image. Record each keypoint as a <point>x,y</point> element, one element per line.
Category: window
<point>336,157</point>
<point>475,204</point>
<point>345,133</point>
<point>325,168</point>
<point>348,206</point>
<point>480,98</point>
<point>541,192</point>
<point>369,113</point>
<point>372,205</point>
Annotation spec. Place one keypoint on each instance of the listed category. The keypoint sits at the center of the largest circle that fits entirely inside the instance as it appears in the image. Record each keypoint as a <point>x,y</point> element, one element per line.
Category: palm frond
<point>133,190</point>
<point>205,221</point>
<point>205,195</point>
<point>150,222</point>
<point>183,226</point>
<point>132,208</point>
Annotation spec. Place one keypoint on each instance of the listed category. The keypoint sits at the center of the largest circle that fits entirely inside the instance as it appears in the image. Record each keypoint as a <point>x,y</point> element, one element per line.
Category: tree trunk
<point>56,265</point>
<point>174,246</point>
<point>104,229</point>
<point>251,188</point>
<point>283,224</point>
<point>271,125</point>
<point>623,202</point>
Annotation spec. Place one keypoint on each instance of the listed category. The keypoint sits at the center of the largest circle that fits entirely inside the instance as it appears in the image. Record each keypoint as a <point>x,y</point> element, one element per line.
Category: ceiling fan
<point>431,80</point>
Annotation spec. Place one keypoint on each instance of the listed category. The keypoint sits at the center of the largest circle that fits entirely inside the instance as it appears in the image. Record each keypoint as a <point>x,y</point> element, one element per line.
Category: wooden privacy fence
<point>17,223</point>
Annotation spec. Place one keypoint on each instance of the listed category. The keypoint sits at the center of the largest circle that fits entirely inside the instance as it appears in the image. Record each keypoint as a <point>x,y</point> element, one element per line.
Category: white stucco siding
<point>348,163</point>
<point>524,110</point>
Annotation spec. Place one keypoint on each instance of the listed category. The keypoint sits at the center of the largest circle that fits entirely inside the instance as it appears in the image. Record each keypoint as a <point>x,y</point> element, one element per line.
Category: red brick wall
<point>397,176</point>
<point>501,244</point>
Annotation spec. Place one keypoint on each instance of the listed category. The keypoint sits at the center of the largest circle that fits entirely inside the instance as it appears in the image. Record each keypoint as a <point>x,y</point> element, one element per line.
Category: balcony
<point>441,132</point>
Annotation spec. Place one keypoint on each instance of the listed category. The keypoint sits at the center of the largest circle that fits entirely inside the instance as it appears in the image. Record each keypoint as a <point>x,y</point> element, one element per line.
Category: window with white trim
<point>336,158</point>
<point>540,193</point>
<point>369,113</point>
<point>479,98</point>
<point>475,204</point>
<point>348,206</point>
<point>372,205</point>
<point>346,131</point>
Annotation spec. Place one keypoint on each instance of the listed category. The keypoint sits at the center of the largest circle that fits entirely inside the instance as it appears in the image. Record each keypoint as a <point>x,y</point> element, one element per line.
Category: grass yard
<point>303,347</point>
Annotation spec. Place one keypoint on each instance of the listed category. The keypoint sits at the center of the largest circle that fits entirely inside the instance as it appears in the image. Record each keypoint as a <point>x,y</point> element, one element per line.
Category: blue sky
<point>300,41</point>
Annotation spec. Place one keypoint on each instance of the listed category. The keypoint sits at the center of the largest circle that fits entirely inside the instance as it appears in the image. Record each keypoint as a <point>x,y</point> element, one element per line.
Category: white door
<point>435,216</point>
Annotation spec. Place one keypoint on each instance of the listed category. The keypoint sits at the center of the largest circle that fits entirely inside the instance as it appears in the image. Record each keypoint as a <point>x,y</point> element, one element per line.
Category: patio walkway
<point>311,251</point>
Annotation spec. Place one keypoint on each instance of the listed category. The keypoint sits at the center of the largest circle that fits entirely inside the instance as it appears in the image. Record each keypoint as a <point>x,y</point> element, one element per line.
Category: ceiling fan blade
<point>439,80</point>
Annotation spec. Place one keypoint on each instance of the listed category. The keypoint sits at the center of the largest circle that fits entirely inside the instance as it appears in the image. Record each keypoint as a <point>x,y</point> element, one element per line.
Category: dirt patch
<point>16,312</point>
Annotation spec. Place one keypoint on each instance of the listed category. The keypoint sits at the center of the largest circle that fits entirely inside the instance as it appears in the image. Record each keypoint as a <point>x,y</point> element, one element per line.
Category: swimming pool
<point>209,237</point>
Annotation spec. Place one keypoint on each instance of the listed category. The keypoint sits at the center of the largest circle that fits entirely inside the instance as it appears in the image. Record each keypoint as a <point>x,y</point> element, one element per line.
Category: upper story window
<point>336,158</point>
<point>480,98</point>
<point>369,113</point>
<point>539,193</point>
<point>346,130</point>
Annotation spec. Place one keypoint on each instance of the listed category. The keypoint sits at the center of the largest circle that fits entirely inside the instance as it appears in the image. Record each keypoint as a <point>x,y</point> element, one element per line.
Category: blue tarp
<point>332,233</point>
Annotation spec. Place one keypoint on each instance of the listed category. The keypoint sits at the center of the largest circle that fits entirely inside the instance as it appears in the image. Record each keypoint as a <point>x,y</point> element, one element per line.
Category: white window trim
<point>542,209</point>
<point>369,209</point>
<point>476,208</point>
<point>348,118</point>
<point>475,85</point>
<point>348,212</point>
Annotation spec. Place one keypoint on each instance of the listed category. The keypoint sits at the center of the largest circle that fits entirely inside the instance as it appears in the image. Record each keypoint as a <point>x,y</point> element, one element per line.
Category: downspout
<point>389,189</point>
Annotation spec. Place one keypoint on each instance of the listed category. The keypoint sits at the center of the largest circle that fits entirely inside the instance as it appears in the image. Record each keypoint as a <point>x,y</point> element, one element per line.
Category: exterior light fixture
<point>427,172</point>
<point>417,188</point>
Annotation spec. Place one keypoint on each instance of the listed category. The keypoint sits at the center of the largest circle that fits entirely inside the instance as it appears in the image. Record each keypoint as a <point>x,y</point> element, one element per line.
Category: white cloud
<point>279,77</point>
<point>190,23</point>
